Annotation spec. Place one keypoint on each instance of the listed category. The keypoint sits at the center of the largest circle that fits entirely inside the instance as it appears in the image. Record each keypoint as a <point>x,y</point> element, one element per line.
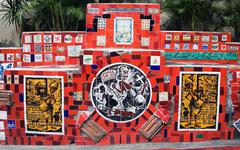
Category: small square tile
<point>163,96</point>
<point>48,57</point>
<point>38,58</point>
<point>79,38</point>
<point>87,59</point>
<point>214,46</point>
<point>167,46</point>
<point>10,57</point>
<point>38,48</point>
<point>28,39</point>
<point>57,38</point>
<point>26,58</point>
<point>145,24</point>
<point>47,47</point>
<point>37,38</point>
<point>144,41</point>
<point>195,46</point>
<point>176,46</point>
<point>155,61</point>
<point>224,37</point>
<point>101,23</point>
<point>101,40</point>
<point>16,79</point>
<point>214,38</point>
<point>168,37</point>
<point>2,136</point>
<point>205,38</point>
<point>47,38</point>
<point>185,45</point>
<point>2,58</point>
<point>176,37</point>
<point>186,37</point>
<point>26,48</point>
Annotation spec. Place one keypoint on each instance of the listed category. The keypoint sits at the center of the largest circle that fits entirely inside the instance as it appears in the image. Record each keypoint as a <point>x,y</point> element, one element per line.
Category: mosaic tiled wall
<point>123,81</point>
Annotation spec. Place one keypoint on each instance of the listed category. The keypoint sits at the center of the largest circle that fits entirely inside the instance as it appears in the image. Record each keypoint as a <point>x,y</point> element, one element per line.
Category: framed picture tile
<point>176,46</point>
<point>28,38</point>
<point>185,45</point>
<point>60,58</point>
<point>155,61</point>
<point>60,49</point>
<point>1,125</point>
<point>16,79</point>
<point>26,58</point>
<point>196,38</point>
<point>38,48</point>
<point>214,38</point>
<point>79,38</point>
<point>205,38</point>
<point>163,96</point>
<point>38,57</point>
<point>57,38</point>
<point>87,59</point>
<point>47,38</point>
<point>2,136</point>
<point>145,41</point>
<point>37,38</point>
<point>186,37</point>
<point>214,46</point>
<point>2,58</point>
<point>74,51</point>
<point>48,57</point>
<point>101,40</point>
<point>145,24</point>
<point>3,114</point>
<point>26,48</point>
<point>223,47</point>
<point>167,46</point>
<point>68,38</point>
<point>224,37</point>
<point>176,37</point>
<point>101,23</point>
<point>195,46</point>
<point>10,57</point>
<point>47,47</point>
<point>123,30</point>
<point>168,37</point>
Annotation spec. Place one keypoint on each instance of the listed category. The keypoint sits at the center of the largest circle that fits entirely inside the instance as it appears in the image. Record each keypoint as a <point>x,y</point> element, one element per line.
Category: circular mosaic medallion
<point>121,92</point>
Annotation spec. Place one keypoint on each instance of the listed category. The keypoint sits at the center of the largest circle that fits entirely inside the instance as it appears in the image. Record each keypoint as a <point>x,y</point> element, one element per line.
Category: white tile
<point>144,41</point>
<point>145,24</point>
<point>155,61</point>
<point>101,40</point>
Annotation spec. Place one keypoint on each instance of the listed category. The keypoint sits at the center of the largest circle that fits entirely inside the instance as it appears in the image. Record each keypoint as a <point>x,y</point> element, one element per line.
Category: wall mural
<point>43,104</point>
<point>199,99</point>
<point>121,92</point>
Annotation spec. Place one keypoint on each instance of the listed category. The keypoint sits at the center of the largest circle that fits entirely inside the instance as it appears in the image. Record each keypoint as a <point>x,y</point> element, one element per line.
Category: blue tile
<point>11,124</point>
<point>94,66</point>
<point>32,58</point>
<point>177,80</point>
<point>65,113</point>
<point>155,67</point>
<point>165,133</point>
<point>21,97</point>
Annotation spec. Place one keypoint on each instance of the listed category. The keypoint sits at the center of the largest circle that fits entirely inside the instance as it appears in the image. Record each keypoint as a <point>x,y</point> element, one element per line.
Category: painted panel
<point>43,104</point>
<point>199,100</point>
<point>123,30</point>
